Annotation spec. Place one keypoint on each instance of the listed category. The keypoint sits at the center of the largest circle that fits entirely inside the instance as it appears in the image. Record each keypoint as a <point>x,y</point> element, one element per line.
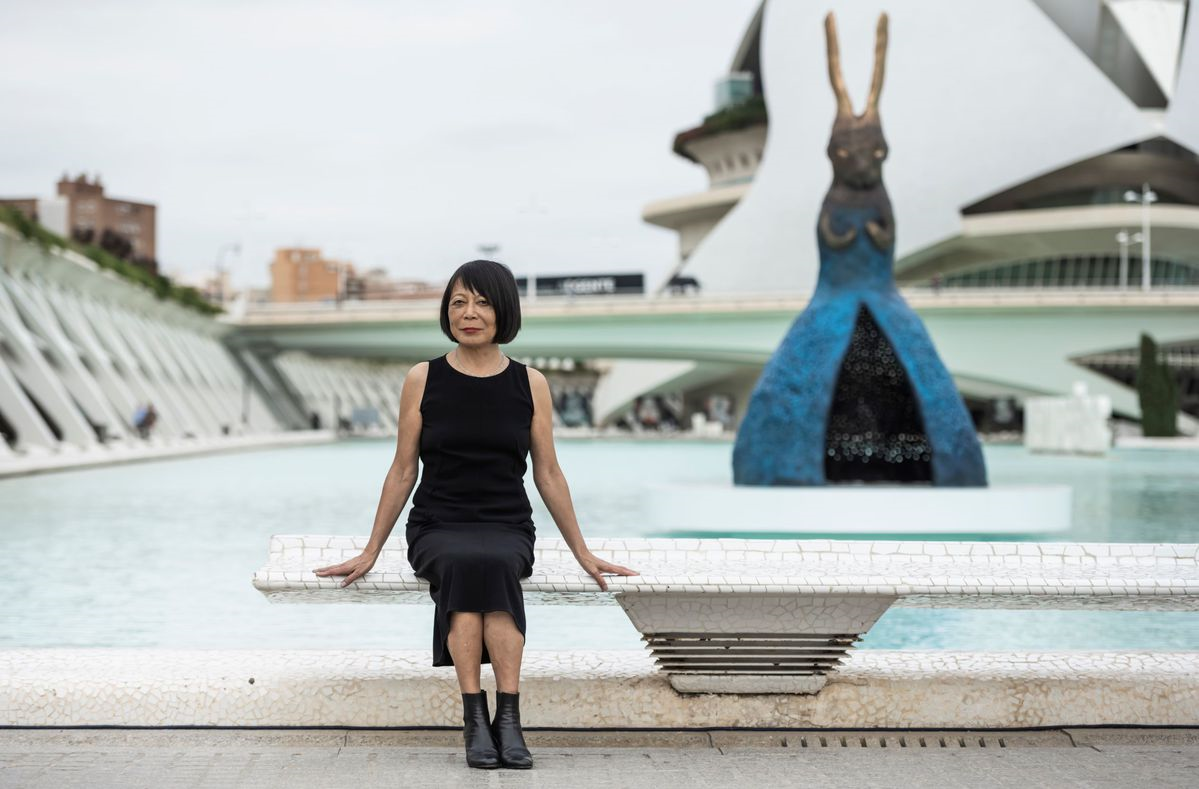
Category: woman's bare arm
<point>547,474</point>
<point>399,482</point>
<point>551,482</point>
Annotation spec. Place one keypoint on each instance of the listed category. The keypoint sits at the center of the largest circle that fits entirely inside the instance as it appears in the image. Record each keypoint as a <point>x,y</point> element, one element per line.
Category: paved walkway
<point>266,758</point>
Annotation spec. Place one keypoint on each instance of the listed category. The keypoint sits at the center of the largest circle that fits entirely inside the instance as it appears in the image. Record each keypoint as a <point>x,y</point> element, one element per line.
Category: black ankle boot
<point>480,747</point>
<point>508,736</point>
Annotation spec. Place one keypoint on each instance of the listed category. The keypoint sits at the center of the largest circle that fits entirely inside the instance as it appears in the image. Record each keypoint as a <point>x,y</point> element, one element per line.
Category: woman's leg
<point>465,641</point>
<point>505,645</point>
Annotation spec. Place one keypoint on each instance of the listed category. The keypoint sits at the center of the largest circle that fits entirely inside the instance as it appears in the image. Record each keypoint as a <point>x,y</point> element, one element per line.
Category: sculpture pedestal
<point>859,509</point>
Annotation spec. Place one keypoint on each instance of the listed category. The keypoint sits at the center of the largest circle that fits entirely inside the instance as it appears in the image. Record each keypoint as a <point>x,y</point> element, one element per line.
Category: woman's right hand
<point>353,569</point>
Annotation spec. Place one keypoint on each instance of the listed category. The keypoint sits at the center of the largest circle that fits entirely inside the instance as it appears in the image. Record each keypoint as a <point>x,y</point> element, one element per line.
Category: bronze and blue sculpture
<point>856,391</point>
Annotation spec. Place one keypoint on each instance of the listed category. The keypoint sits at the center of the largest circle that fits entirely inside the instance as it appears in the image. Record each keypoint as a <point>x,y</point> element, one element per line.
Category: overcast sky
<point>393,134</point>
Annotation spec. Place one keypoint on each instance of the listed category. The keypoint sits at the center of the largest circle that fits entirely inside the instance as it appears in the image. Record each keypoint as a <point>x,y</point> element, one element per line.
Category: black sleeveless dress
<point>470,531</point>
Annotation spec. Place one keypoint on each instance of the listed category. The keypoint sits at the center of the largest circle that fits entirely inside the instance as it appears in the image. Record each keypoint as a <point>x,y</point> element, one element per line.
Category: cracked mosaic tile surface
<point>901,689</point>
<point>1058,575</point>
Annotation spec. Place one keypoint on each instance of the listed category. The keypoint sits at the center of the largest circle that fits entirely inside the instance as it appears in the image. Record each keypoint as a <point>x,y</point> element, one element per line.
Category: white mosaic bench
<point>775,616</point>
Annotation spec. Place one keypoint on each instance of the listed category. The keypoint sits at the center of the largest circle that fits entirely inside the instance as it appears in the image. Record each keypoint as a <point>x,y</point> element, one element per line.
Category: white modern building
<point>1023,135</point>
<point>83,352</point>
<point>1015,131</point>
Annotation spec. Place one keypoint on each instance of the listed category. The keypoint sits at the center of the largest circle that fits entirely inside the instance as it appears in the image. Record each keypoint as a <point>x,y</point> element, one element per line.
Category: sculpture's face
<point>857,150</point>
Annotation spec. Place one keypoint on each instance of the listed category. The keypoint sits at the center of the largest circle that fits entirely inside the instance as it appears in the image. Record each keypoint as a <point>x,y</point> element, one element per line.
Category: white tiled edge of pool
<point>588,689</point>
<point>114,453</point>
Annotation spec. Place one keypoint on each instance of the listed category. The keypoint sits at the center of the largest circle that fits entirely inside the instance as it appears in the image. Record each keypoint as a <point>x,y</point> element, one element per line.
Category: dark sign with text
<point>585,284</point>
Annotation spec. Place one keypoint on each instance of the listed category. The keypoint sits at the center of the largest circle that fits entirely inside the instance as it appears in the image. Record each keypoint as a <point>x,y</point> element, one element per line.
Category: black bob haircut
<point>495,282</point>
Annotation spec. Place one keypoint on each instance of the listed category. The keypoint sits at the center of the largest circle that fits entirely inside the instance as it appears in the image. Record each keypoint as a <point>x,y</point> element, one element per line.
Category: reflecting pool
<point>160,554</point>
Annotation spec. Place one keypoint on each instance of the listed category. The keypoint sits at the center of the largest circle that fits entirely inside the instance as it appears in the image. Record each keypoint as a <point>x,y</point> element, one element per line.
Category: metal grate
<point>941,740</point>
<point>749,653</point>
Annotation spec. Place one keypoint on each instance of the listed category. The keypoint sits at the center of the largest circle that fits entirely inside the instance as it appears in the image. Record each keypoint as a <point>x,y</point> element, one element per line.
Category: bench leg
<point>750,643</point>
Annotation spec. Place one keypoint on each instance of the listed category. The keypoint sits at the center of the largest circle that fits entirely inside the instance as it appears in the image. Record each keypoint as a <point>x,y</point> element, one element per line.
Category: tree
<point>1158,392</point>
<point>116,244</point>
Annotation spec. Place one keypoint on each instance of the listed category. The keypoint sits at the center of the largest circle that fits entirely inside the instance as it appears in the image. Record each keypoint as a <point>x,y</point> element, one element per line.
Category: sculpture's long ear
<point>844,107</point>
<point>880,61</point>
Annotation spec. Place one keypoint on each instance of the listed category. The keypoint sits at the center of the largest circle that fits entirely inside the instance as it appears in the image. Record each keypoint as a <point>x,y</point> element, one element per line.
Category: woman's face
<point>472,317</point>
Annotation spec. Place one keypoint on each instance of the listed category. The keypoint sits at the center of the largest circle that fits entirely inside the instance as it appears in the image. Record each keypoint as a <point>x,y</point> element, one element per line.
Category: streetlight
<point>1125,241</point>
<point>233,246</point>
<point>1146,198</point>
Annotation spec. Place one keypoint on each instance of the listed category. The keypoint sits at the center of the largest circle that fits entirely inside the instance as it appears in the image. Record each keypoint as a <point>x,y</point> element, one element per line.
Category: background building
<point>1034,145</point>
<point>90,213</point>
<point>729,145</point>
<point>82,211</point>
<point>302,274</point>
<point>377,285</point>
<point>1015,135</point>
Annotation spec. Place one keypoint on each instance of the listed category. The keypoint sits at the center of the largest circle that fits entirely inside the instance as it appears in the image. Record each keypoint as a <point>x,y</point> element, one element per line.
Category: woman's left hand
<point>593,565</point>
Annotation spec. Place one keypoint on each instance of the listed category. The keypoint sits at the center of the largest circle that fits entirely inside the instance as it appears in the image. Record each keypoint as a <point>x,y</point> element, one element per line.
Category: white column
<point>116,389</point>
<point>145,385</point>
<point>40,317</point>
<point>29,366</point>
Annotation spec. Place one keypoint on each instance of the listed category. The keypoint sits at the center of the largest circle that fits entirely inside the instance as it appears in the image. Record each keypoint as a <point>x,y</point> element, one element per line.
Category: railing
<point>920,298</point>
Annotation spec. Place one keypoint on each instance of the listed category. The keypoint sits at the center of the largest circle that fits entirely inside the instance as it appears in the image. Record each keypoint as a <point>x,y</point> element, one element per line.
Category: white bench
<point>775,616</point>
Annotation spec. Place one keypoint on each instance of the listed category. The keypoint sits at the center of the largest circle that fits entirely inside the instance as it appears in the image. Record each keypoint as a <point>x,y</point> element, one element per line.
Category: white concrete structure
<point>1078,424</point>
<point>776,616</point>
<point>82,348</point>
<point>335,388</point>
<point>1009,342</point>
<point>586,689</point>
<point>88,347</point>
<point>52,214</point>
<point>1015,105</point>
<point>15,464</point>
<point>1014,133</point>
<point>1018,131</point>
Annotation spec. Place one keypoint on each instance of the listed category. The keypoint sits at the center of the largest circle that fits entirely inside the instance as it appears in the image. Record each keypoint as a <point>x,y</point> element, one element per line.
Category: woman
<point>472,416</point>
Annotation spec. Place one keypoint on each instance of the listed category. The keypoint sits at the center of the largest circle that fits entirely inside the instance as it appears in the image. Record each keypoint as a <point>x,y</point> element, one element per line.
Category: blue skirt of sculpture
<point>783,438</point>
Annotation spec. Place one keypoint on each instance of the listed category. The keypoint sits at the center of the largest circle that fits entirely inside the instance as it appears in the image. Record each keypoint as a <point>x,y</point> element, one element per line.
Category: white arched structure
<point>978,98</point>
<point>81,349</point>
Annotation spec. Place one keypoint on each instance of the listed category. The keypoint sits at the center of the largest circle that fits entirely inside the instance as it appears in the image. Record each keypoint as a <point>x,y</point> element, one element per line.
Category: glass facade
<point>734,89</point>
<point>1074,271</point>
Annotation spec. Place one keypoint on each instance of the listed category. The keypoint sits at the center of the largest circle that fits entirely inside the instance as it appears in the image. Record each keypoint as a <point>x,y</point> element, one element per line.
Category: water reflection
<point>161,554</point>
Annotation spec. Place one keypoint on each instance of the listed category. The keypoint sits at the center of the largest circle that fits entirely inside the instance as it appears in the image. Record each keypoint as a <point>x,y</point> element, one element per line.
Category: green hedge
<point>1158,393</point>
<point>162,287</point>
<point>751,112</point>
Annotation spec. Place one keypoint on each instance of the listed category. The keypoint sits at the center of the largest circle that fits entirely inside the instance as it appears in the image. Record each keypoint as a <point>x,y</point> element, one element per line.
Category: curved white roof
<point>977,98</point>
<point>1154,29</point>
<point>1182,118</point>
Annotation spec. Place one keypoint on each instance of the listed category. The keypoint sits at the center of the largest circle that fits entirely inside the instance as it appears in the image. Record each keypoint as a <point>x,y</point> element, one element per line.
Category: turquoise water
<point>161,554</point>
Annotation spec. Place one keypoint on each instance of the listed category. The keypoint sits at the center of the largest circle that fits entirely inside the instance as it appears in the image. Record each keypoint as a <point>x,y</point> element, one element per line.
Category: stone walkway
<point>265,758</point>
